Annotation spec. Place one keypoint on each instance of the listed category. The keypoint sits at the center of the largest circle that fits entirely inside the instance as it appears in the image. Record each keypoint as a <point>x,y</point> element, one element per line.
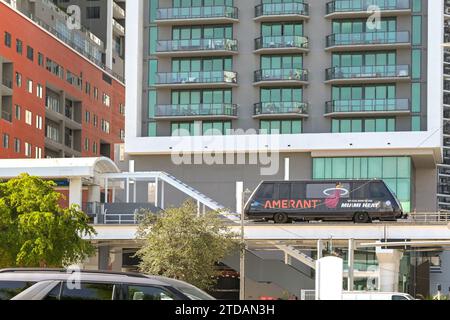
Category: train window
<point>377,190</point>
<point>298,190</point>
<point>284,191</point>
<point>327,190</point>
<point>359,190</point>
<point>266,191</point>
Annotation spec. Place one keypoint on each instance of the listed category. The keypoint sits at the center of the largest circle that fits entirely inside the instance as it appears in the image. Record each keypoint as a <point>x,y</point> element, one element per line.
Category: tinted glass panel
<point>148,293</point>
<point>89,291</point>
<point>266,191</point>
<point>9,289</point>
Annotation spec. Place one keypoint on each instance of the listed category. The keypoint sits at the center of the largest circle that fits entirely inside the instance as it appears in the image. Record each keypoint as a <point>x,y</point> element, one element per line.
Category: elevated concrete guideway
<point>342,231</point>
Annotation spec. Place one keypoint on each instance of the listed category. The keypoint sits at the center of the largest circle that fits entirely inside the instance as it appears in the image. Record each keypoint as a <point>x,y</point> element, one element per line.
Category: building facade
<point>56,100</point>
<point>339,89</point>
<point>106,19</point>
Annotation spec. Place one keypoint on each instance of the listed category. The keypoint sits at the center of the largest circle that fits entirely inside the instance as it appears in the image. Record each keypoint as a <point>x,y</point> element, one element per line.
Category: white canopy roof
<point>57,168</point>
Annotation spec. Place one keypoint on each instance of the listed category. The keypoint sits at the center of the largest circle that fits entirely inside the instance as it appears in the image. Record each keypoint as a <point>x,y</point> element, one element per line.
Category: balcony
<point>281,11</point>
<point>368,40</point>
<point>118,28</point>
<point>280,109</point>
<point>370,74</point>
<point>197,79</point>
<point>196,47</point>
<point>361,8</point>
<point>6,88</point>
<point>281,77</point>
<point>368,107</point>
<point>197,111</point>
<point>118,12</point>
<point>281,44</point>
<point>196,15</point>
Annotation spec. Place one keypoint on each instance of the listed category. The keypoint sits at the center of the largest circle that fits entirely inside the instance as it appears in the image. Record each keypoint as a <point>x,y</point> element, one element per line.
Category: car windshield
<point>194,293</point>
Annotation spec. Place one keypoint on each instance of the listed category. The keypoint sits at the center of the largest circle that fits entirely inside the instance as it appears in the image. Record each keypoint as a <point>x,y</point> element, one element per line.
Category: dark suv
<point>60,284</point>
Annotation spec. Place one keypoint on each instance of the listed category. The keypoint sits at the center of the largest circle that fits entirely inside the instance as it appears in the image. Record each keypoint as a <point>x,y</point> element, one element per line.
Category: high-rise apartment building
<point>57,100</point>
<point>342,89</point>
<point>106,19</point>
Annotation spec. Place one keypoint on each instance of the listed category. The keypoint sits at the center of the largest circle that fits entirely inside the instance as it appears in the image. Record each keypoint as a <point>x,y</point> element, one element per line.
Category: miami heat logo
<point>334,195</point>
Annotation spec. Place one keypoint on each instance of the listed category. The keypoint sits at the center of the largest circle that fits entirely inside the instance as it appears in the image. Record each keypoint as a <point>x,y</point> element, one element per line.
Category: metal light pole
<point>243,249</point>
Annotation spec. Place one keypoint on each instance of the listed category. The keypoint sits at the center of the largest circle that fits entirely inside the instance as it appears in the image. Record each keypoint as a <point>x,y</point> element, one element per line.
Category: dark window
<point>93,12</point>
<point>40,59</point>
<point>7,39</point>
<point>107,78</point>
<point>266,191</point>
<point>10,289</point>
<point>377,190</point>
<point>19,46</point>
<point>284,191</point>
<point>148,293</point>
<point>30,53</point>
<point>89,291</point>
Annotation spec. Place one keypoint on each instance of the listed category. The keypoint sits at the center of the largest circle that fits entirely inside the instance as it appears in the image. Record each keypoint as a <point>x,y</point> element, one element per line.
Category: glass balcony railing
<point>281,75</point>
<point>197,13</point>
<point>368,105</point>
<point>368,38</point>
<point>280,108</point>
<point>389,71</point>
<point>278,9</point>
<point>363,5</point>
<point>197,77</point>
<point>197,110</point>
<point>283,42</point>
<point>197,45</point>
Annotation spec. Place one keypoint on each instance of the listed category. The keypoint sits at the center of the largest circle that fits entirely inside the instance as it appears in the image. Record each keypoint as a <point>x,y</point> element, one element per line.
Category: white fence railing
<point>429,217</point>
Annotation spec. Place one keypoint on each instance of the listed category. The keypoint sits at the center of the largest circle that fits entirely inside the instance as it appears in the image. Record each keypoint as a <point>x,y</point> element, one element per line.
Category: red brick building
<point>55,102</point>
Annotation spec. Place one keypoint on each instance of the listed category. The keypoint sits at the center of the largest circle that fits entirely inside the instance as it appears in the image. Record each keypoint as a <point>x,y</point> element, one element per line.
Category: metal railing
<point>432,217</point>
<point>277,42</point>
<point>363,5</point>
<point>197,13</point>
<point>281,75</point>
<point>280,107</point>
<point>196,77</point>
<point>276,9</point>
<point>387,71</point>
<point>197,45</point>
<point>368,38</point>
<point>368,105</point>
<point>195,110</point>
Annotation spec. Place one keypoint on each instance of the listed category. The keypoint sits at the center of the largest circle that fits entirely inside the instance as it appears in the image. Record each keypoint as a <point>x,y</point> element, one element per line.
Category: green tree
<point>181,245</point>
<point>35,231</point>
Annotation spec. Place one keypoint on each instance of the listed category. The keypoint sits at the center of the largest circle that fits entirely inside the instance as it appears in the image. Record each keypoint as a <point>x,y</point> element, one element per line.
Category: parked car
<point>60,284</point>
<point>340,200</point>
<point>372,295</point>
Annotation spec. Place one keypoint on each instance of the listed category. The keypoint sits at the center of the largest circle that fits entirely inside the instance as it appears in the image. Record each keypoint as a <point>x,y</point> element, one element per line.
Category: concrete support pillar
<point>103,258</point>
<point>94,194</point>
<point>76,191</point>
<point>116,259</point>
<point>319,249</point>
<point>389,266</point>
